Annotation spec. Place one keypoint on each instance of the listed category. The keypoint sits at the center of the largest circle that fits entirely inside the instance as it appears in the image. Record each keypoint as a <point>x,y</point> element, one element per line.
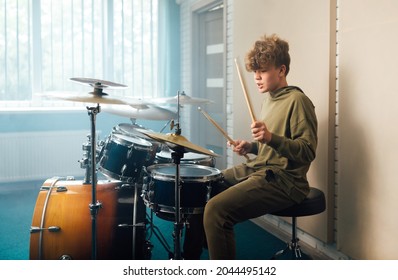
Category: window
<point>44,43</point>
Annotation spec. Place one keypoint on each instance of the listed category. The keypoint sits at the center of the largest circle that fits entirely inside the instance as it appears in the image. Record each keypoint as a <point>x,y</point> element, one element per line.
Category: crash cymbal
<point>183,100</point>
<point>174,140</point>
<point>83,97</point>
<point>97,83</point>
<point>145,112</point>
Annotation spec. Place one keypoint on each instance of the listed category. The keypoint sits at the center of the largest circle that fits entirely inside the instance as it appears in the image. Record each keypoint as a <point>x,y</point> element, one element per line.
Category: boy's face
<point>270,79</point>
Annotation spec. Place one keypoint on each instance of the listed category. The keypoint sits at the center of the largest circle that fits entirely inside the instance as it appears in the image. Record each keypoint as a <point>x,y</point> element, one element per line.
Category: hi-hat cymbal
<point>174,140</point>
<point>145,112</point>
<point>84,97</point>
<point>182,99</point>
<point>97,83</point>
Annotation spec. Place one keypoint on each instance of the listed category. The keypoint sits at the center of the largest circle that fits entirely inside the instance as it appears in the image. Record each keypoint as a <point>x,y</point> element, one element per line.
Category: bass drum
<point>61,223</point>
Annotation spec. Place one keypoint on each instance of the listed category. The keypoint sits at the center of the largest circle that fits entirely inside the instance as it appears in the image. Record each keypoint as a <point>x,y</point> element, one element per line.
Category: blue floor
<point>17,201</point>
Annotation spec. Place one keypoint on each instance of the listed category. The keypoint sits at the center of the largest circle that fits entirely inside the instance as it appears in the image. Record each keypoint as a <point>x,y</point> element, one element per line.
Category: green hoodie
<point>290,115</point>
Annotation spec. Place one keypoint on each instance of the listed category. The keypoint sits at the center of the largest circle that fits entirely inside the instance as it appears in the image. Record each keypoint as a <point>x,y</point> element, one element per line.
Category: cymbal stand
<point>178,224</point>
<point>176,155</point>
<point>95,205</point>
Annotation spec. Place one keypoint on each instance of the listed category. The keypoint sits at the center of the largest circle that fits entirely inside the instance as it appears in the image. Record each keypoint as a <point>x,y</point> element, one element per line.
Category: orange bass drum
<point>62,226</point>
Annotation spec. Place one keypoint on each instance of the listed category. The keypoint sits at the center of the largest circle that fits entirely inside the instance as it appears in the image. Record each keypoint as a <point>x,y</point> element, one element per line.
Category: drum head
<point>128,129</point>
<point>187,156</point>
<point>188,172</point>
<point>131,130</point>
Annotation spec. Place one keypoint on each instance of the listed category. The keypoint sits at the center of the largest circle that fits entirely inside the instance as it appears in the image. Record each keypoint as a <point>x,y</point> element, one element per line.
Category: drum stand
<point>178,224</point>
<point>155,230</point>
<point>95,205</point>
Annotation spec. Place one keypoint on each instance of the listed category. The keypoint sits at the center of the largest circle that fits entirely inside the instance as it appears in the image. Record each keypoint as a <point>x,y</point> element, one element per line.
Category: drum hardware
<point>85,161</point>
<point>58,189</point>
<point>158,234</point>
<point>95,205</point>
<point>50,229</point>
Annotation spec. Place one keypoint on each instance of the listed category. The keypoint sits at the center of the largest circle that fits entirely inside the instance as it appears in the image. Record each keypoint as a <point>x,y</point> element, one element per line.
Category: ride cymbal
<point>97,83</point>
<point>85,98</point>
<point>174,140</point>
<point>145,112</point>
<point>182,99</point>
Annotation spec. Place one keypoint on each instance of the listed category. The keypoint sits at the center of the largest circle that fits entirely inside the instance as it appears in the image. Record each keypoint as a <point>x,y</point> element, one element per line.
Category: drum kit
<point>165,173</point>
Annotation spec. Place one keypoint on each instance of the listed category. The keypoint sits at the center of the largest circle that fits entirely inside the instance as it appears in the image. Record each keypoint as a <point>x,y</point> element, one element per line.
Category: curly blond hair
<point>266,52</point>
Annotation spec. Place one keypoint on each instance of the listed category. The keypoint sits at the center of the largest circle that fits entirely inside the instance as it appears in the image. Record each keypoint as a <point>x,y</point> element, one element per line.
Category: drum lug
<point>62,189</point>
<point>50,229</point>
<point>58,189</point>
<point>130,152</point>
<point>65,257</point>
<point>123,169</point>
<point>146,172</point>
<point>208,194</point>
<point>130,225</point>
<point>125,186</point>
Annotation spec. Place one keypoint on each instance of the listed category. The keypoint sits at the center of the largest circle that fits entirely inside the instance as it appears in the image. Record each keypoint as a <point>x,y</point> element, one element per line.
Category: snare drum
<point>196,185</point>
<point>123,157</point>
<point>189,158</point>
<point>62,227</point>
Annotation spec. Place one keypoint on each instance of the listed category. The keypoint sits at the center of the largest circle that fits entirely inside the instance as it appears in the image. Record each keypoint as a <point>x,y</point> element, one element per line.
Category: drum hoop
<point>199,158</point>
<point>171,177</point>
<point>171,209</point>
<point>119,140</point>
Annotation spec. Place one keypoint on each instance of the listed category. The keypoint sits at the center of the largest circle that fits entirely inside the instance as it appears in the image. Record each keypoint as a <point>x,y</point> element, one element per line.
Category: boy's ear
<point>282,70</point>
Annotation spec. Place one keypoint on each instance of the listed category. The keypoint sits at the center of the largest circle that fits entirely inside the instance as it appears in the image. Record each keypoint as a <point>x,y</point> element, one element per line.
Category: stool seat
<point>314,203</point>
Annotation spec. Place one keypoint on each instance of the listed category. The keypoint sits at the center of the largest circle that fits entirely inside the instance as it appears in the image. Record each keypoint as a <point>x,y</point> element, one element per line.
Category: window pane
<point>15,50</point>
<point>72,42</point>
<point>44,45</point>
<point>135,46</point>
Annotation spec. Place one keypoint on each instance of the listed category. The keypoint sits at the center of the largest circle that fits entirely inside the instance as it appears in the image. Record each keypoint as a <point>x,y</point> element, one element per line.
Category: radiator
<point>40,155</point>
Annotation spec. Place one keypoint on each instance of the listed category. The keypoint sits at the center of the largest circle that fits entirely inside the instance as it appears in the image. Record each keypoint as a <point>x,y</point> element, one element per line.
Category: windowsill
<point>18,107</point>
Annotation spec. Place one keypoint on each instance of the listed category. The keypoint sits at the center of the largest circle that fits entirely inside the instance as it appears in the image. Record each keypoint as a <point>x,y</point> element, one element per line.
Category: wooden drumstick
<point>245,92</point>
<point>219,128</point>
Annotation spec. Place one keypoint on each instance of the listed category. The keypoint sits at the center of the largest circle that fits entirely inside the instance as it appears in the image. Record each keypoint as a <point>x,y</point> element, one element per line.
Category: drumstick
<point>245,92</point>
<point>219,128</point>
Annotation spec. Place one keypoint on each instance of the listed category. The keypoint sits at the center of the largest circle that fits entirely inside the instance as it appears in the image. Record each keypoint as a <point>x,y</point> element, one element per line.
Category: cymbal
<point>145,112</point>
<point>85,98</point>
<point>174,140</point>
<point>183,100</point>
<point>97,83</point>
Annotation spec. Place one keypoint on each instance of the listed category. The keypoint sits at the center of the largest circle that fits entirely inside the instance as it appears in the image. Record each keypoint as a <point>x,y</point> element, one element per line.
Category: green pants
<point>248,194</point>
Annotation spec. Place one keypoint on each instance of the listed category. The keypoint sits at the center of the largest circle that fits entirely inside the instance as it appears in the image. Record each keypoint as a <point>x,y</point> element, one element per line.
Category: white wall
<point>367,211</point>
